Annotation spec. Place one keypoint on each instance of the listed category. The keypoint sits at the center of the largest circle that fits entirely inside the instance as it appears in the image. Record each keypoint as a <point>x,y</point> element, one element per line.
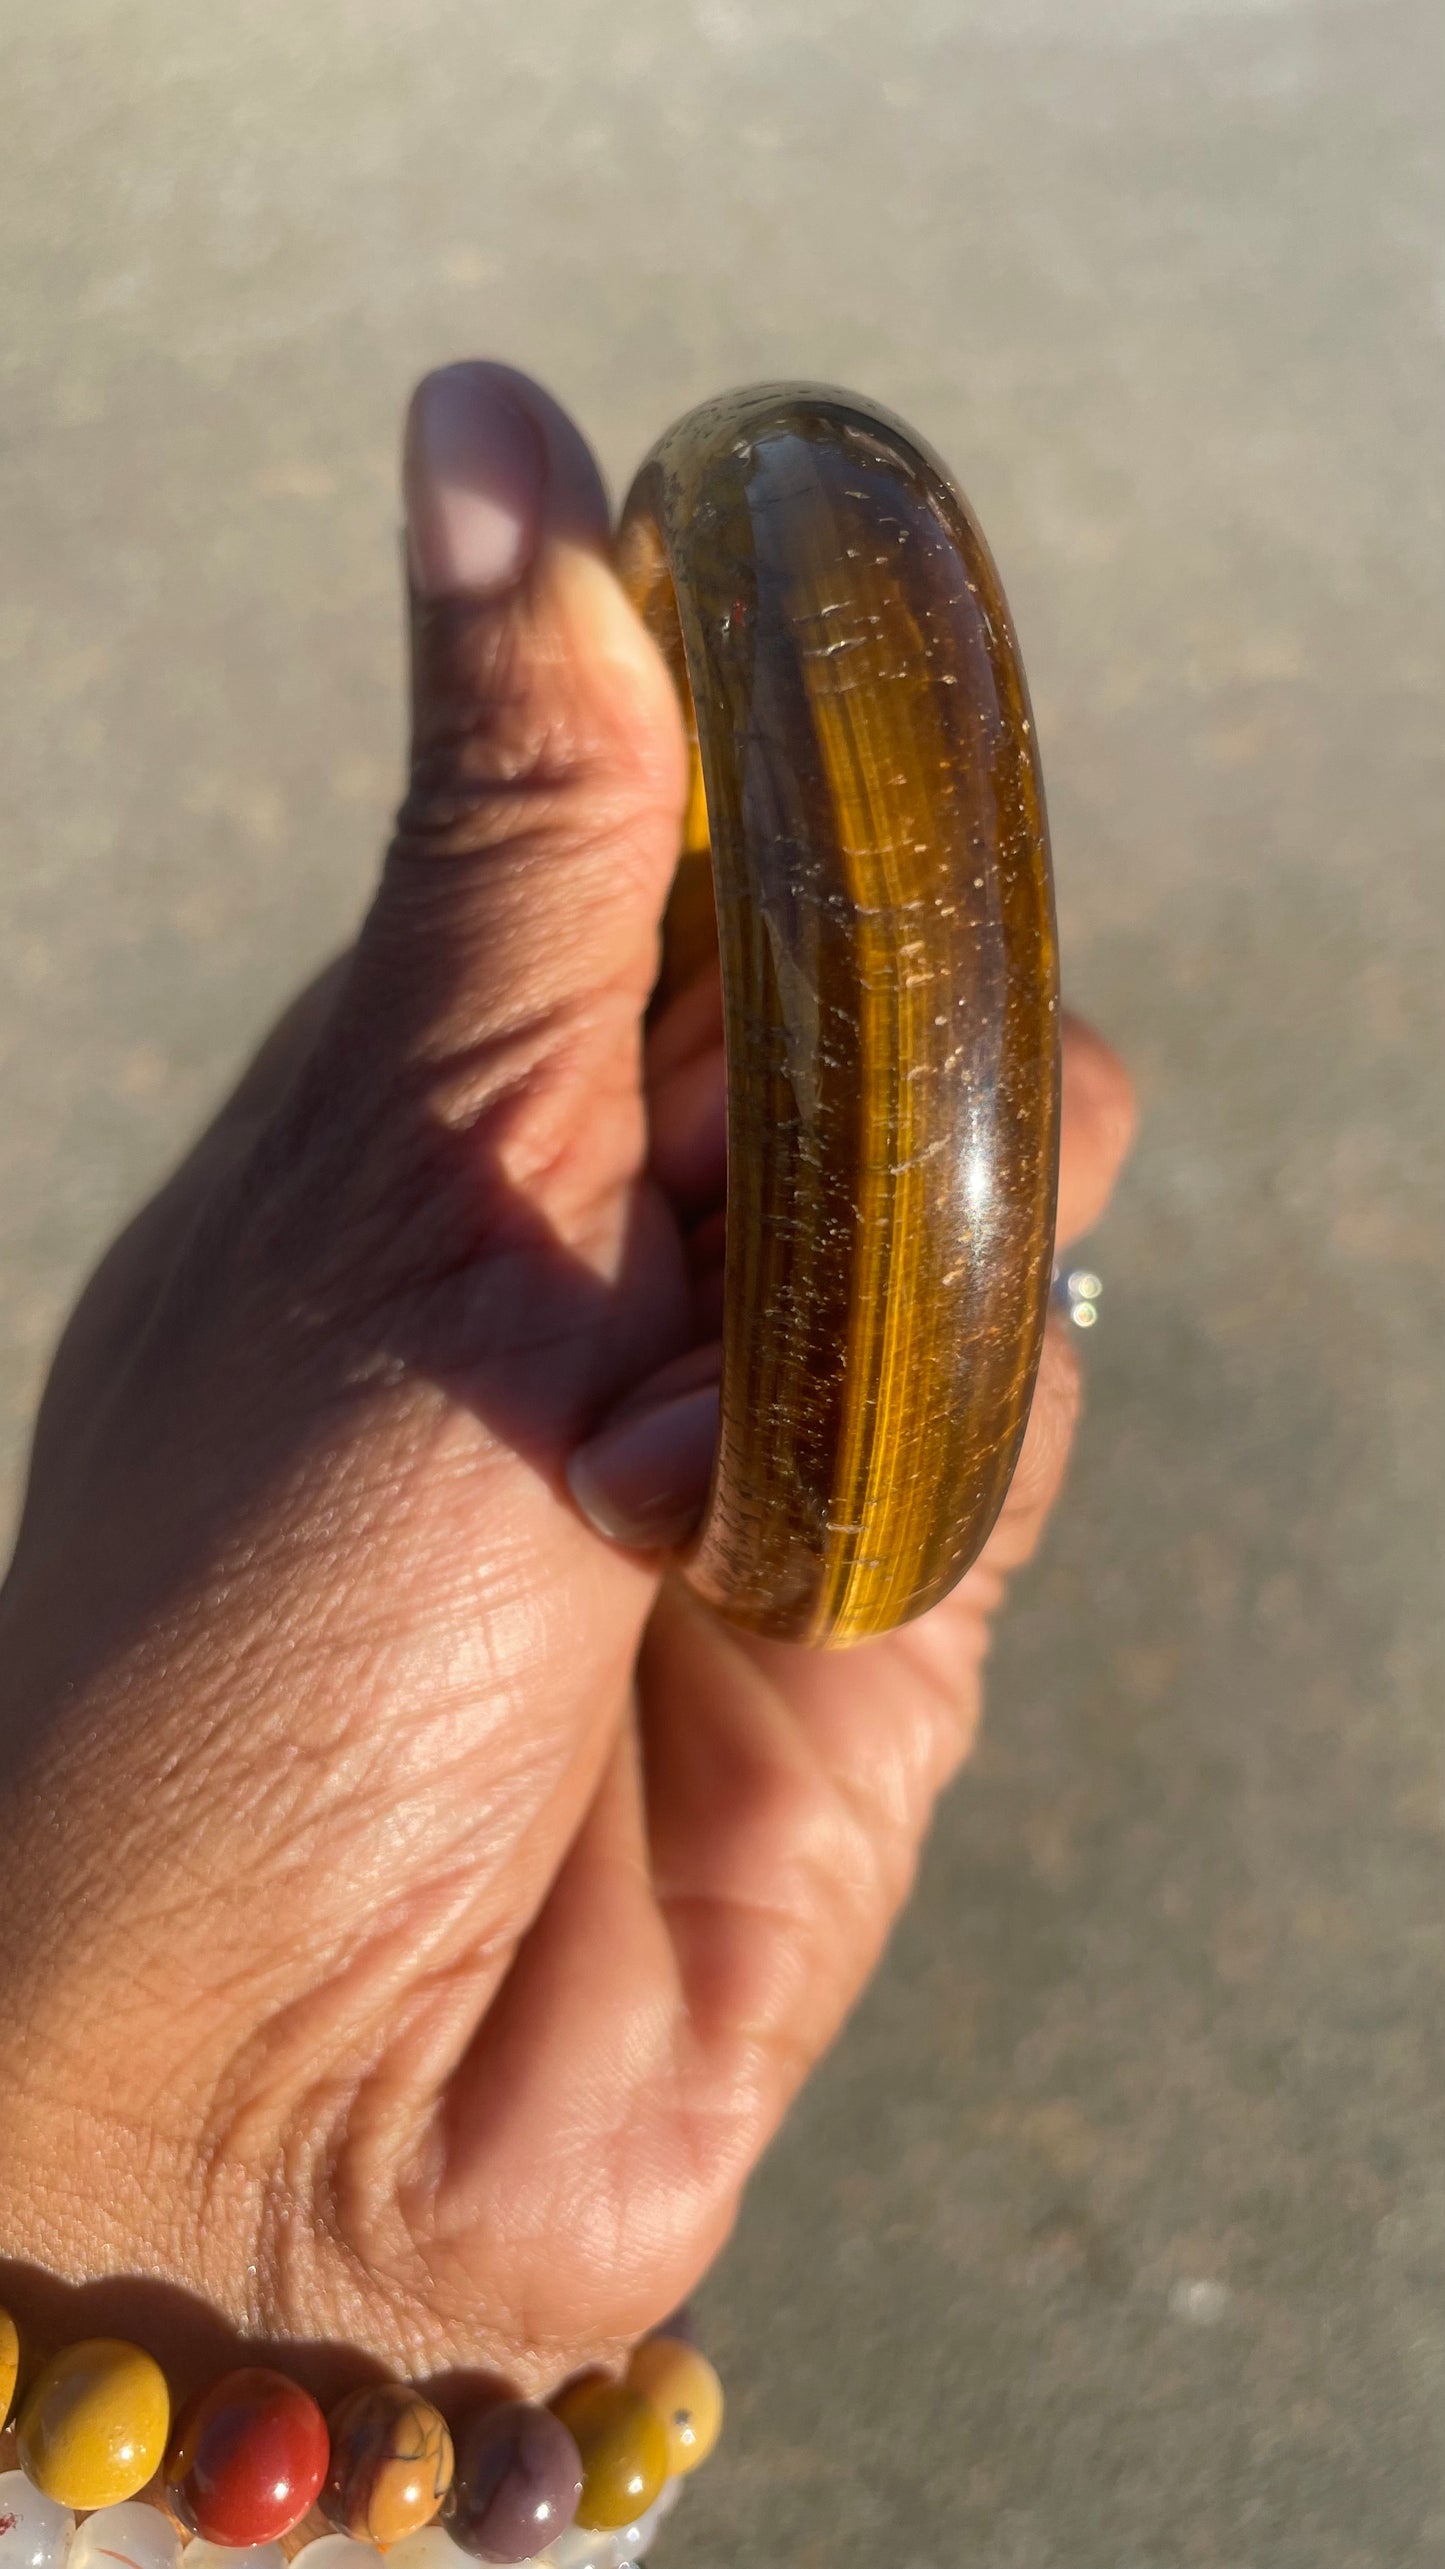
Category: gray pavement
<point>1114,2235</point>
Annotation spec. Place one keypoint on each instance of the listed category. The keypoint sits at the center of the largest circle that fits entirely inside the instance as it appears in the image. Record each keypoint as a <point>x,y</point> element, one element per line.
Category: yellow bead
<point>94,2425</point>
<point>623,2445</point>
<point>682,2386</point>
<point>9,2362</point>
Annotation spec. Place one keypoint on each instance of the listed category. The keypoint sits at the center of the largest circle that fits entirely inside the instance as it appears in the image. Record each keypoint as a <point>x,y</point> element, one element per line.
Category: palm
<point>605,1936</point>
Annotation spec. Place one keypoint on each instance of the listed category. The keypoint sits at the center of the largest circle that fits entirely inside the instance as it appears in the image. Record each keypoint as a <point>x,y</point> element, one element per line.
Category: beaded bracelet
<point>254,2477</point>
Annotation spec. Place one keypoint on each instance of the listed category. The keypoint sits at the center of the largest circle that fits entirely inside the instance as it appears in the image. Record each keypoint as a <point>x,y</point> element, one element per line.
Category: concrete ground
<point>1114,2236</point>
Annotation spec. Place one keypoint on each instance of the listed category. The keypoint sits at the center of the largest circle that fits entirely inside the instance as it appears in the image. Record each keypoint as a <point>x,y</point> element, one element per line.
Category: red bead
<point>250,2458</point>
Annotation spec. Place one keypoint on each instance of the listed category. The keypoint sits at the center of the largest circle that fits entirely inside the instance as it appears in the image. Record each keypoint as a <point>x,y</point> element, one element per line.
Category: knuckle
<point>512,745</point>
<point>498,778</point>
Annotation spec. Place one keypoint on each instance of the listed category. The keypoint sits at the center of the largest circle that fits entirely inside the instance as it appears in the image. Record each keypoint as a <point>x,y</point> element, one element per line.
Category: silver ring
<point>1076,1292</point>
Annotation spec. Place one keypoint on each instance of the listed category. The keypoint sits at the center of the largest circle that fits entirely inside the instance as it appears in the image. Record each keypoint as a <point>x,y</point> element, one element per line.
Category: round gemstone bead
<point>432,2548</point>
<point>590,2549</point>
<point>246,2555</point>
<point>634,2541</point>
<point>249,2460</point>
<point>391,2464</point>
<point>687,2395</point>
<point>335,2551</point>
<point>9,2362</point>
<point>133,2535</point>
<point>34,2532</point>
<point>519,2477</point>
<point>94,2424</point>
<point>623,2444</point>
<point>583,2548</point>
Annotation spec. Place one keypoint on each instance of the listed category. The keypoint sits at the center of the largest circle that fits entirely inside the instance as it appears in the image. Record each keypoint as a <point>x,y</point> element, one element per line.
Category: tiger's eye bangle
<point>98,2487</point>
<point>867,823</point>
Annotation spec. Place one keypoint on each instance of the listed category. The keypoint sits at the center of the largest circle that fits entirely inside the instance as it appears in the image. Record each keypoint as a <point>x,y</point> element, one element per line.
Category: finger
<point>687,1095</point>
<point>931,1662</point>
<point>787,1812</point>
<point>1098,1126</point>
<point>635,2157</point>
<point>643,1477</point>
<point>643,1481</point>
<point>687,1108</point>
<point>783,1819</point>
<point>506,963</point>
<point>1039,1473</point>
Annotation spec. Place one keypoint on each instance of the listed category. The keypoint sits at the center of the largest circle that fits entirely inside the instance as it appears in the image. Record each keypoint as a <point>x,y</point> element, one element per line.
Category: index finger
<point>1099,1121</point>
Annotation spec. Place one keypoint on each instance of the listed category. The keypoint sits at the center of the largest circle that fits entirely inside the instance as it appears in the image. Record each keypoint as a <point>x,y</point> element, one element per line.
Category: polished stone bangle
<point>251,2475</point>
<point>867,848</point>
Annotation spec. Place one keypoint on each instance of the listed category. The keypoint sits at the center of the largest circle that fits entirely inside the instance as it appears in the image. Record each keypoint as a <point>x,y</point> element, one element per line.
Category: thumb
<point>513,942</point>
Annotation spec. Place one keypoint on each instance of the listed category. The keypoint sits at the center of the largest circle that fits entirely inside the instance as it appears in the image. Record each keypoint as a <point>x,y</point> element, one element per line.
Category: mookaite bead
<point>34,2532</point>
<point>623,2445</point>
<point>216,2555</point>
<point>636,2540</point>
<point>94,2423</point>
<point>687,2395</point>
<point>519,2477</point>
<point>585,2548</point>
<point>582,2549</point>
<point>633,2541</point>
<point>249,2460</point>
<point>9,2362</point>
<point>391,2464</point>
<point>130,2536</point>
<point>335,2551</point>
<point>432,2548</point>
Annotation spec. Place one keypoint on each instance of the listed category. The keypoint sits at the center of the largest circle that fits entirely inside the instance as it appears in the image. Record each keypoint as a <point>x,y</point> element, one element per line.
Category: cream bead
<point>580,2547</point>
<point>432,2548</point>
<point>34,2532</point>
<point>132,2534</point>
<point>634,2541</point>
<point>218,2555</point>
<point>336,2551</point>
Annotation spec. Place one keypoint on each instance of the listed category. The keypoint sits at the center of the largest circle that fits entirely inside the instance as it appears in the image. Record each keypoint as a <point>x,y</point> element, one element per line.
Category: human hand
<point>420,1908</point>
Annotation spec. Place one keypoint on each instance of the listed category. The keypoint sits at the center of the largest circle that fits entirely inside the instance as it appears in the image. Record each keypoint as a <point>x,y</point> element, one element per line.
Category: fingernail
<point>644,1480</point>
<point>472,479</point>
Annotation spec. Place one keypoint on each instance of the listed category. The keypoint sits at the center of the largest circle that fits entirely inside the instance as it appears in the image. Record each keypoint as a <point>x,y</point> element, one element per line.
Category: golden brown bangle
<point>867,790</point>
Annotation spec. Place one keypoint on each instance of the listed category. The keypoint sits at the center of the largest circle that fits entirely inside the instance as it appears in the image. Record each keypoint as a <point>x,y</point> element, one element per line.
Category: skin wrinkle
<point>307,2118</point>
<point>322,1757</point>
<point>830,1893</point>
